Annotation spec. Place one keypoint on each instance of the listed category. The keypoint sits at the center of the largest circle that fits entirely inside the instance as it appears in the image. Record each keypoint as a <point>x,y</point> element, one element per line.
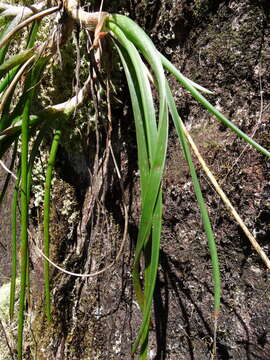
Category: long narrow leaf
<point>143,156</point>
<point>201,99</point>
<point>151,204</point>
<point>11,74</point>
<point>145,89</point>
<point>151,281</point>
<point>139,38</point>
<point>204,213</point>
<point>15,60</point>
<point>151,54</point>
<point>137,107</point>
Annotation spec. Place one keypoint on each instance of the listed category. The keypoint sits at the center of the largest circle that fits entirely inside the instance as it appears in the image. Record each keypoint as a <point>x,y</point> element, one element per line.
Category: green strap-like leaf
<point>152,201</point>
<point>204,213</point>
<point>201,99</point>
<point>15,60</point>
<point>139,38</point>
<point>142,146</point>
<point>144,86</point>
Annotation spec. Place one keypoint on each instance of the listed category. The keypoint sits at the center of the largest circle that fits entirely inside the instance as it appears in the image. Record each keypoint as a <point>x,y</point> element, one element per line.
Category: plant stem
<point>47,198</point>
<point>14,246</point>
<point>24,222</point>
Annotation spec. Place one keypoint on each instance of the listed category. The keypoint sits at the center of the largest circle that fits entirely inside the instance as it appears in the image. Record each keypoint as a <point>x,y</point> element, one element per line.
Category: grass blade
<point>16,60</point>
<point>142,41</point>
<point>204,213</point>
<point>11,74</point>
<point>137,107</point>
<point>152,201</point>
<point>145,123</point>
<point>145,89</point>
<point>201,99</point>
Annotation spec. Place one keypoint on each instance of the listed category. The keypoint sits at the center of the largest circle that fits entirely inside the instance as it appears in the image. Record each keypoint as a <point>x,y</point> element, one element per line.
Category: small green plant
<point>144,69</point>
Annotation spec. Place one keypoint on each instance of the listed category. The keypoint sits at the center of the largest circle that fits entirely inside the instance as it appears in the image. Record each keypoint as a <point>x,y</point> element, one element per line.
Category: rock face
<point>225,46</point>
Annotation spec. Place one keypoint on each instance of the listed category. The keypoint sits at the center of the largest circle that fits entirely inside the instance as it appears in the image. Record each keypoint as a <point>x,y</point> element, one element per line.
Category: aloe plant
<point>144,69</point>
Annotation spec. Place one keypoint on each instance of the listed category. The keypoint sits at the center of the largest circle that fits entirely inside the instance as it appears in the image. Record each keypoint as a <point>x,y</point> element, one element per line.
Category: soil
<point>224,46</point>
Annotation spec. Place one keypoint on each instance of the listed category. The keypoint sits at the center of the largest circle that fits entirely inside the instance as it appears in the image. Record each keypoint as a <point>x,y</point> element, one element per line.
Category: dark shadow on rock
<point>172,283</point>
<point>222,347</point>
<point>161,308</point>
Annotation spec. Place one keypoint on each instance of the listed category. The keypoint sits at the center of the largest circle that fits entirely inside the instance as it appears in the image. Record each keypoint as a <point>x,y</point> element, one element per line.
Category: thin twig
<point>227,201</point>
<point>22,10</point>
<point>7,170</point>
<point>96,273</point>
<point>37,16</point>
<point>93,274</point>
<point>248,146</point>
<point>7,340</point>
